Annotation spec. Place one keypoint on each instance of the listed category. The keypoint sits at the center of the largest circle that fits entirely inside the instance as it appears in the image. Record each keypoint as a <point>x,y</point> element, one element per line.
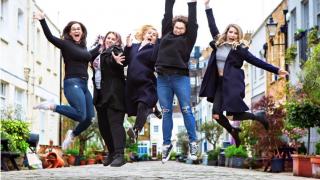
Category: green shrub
<point>74,152</point>
<point>213,154</point>
<point>17,132</point>
<point>291,54</point>
<point>233,151</point>
<point>173,156</point>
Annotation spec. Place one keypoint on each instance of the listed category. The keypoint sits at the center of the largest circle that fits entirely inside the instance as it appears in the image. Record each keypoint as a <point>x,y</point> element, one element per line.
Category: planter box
<point>237,162</point>
<point>315,163</point>
<point>301,165</point>
<point>212,162</point>
<point>277,165</point>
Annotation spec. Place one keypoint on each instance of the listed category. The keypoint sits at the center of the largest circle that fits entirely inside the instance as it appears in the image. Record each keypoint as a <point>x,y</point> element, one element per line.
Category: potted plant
<point>299,34</point>
<point>72,153</point>
<point>90,156</point>
<point>313,36</point>
<point>238,157</point>
<point>213,156</point>
<point>315,161</point>
<point>83,160</point>
<point>303,114</point>
<point>291,54</point>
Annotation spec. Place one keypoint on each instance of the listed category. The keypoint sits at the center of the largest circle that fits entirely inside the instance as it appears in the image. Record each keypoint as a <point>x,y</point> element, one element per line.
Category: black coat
<point>112,81</point>
<point>233,79</point>
<point>141,81</point>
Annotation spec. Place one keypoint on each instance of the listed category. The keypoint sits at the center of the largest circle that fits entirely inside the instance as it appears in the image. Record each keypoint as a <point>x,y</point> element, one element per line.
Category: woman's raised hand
<point>206,3</point>
<point>118,58</point>
<point>129,40</point>
<point>38,15</point>
<point>282,73</point>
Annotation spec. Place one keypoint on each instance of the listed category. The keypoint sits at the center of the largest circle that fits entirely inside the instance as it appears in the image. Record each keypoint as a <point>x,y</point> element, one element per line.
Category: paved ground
<point>148,170</point>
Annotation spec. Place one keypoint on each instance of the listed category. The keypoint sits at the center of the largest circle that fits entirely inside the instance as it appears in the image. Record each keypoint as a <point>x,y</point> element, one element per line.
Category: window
<point>3,94</point>
<point>20,24</point>
<point>305,14</point>
<point>4,16</point>
<point>19,104</point>
<point>317,11</point>
<point>155,129</point>
<point>293,24</point>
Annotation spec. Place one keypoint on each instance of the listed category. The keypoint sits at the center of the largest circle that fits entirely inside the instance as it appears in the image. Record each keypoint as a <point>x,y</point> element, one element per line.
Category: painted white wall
<point>23,48</point>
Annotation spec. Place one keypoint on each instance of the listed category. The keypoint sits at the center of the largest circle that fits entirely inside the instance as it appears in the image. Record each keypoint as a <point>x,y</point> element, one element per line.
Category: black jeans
<point>111,128</point>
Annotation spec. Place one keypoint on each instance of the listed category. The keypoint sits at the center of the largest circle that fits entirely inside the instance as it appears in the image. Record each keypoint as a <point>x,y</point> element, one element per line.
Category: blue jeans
<point>80,101</point>
<point>167,86</point>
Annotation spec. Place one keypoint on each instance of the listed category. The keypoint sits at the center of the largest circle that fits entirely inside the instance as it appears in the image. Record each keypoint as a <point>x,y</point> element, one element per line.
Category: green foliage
<point>89,154</point>
<point>318,148</point>
<point>132,147</point>
<point>303,114</point>
<point>233,151</point>
<point>17,132</point>
<point>213,154</point>
<point>291,54</point>
<point>313,37</point>
<point>311,76</point>
<point>212,132</point>
<point>74,152</point>
<point>145,157</point>
<point>183,142</point>
<point>173,156</point>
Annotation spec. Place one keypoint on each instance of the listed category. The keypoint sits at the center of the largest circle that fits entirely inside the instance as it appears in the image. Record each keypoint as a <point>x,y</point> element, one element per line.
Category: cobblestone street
<point>148,170</point>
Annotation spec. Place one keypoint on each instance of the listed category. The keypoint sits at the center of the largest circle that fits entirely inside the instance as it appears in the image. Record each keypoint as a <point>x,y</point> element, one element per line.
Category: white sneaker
<point>166,152</point>
<point>68,140</point>
<point>193,148</point>
<point>45,105</point>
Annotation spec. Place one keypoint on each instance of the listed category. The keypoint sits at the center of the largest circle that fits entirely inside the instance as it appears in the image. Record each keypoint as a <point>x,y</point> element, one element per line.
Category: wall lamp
<point>272,29</point>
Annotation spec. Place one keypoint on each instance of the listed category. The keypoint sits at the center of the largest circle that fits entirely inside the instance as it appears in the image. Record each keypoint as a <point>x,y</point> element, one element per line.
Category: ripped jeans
<point>167,86</point>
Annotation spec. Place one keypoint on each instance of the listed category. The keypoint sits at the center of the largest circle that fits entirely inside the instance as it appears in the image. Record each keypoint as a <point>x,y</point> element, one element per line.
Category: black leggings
<point>142,114</point>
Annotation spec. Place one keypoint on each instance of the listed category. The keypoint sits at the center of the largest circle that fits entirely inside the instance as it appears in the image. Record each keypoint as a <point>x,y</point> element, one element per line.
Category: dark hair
<point>182,19</point>
<point>67,29</point>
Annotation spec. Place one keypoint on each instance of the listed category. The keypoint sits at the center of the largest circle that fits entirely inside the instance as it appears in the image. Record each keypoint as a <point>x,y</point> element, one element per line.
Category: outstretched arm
<point>167,18</point>
<point>192,28</point>
<point>211,21</point>
<point>250,58</point>
<point>54,40</point>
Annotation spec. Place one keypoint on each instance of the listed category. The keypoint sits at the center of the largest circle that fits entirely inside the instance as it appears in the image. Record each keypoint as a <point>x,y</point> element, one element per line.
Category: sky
<point>126,16</point>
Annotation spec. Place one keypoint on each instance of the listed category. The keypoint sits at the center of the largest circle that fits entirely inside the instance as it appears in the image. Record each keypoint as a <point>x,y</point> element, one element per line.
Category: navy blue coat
<point>141,80</point>
<point>233,79</point>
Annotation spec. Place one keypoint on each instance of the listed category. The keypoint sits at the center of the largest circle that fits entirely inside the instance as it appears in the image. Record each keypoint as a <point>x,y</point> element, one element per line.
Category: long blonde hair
<point>143,30</point>
<point>221,39</point>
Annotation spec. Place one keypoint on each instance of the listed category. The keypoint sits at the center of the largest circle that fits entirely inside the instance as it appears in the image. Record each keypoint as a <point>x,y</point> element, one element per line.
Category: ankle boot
<point>234,131</point>
<point>118,160</point>
<point>235,134</point>
<point>261,117</point>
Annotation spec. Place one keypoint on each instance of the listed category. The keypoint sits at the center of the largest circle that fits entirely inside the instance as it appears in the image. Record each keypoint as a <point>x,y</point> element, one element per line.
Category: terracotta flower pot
<point>315,163</point>
<point>71,160</point>
<point>301,165</point>
<point>83,162</point>
<point>91,161</point>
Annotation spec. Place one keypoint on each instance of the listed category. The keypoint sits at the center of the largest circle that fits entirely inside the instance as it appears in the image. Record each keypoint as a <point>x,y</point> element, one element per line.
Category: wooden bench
<point>6,154</point>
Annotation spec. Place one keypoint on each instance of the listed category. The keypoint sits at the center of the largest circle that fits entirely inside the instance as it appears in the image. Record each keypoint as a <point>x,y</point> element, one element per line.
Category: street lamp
<point>272,29</point>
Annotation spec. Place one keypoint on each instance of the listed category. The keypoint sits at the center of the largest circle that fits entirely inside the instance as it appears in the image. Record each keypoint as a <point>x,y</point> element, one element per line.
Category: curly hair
<point>143,30</point>
<point>183,19</point>
<point>67,29</point>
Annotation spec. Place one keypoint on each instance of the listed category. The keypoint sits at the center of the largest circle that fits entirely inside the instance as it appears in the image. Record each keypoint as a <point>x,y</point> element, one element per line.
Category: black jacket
<point>174,51</point>
<point>112,89</point>
<point>233,90</point>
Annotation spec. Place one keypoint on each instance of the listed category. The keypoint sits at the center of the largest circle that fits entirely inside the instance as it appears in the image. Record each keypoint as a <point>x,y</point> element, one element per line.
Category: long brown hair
<point>117,35</point>
<point>67,29</point>
<point>222,38</point>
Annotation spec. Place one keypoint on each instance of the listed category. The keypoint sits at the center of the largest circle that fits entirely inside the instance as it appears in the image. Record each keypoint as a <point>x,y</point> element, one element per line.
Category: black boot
<point>108,160</point>
<point>224,122</point>
<point>133,134</point>
<point>157,113</point>
<point>261,117</point>
<point>118,160</point>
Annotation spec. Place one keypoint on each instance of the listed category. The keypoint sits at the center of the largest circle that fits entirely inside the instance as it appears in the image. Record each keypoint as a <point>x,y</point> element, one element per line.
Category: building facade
<point>29,67</point>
